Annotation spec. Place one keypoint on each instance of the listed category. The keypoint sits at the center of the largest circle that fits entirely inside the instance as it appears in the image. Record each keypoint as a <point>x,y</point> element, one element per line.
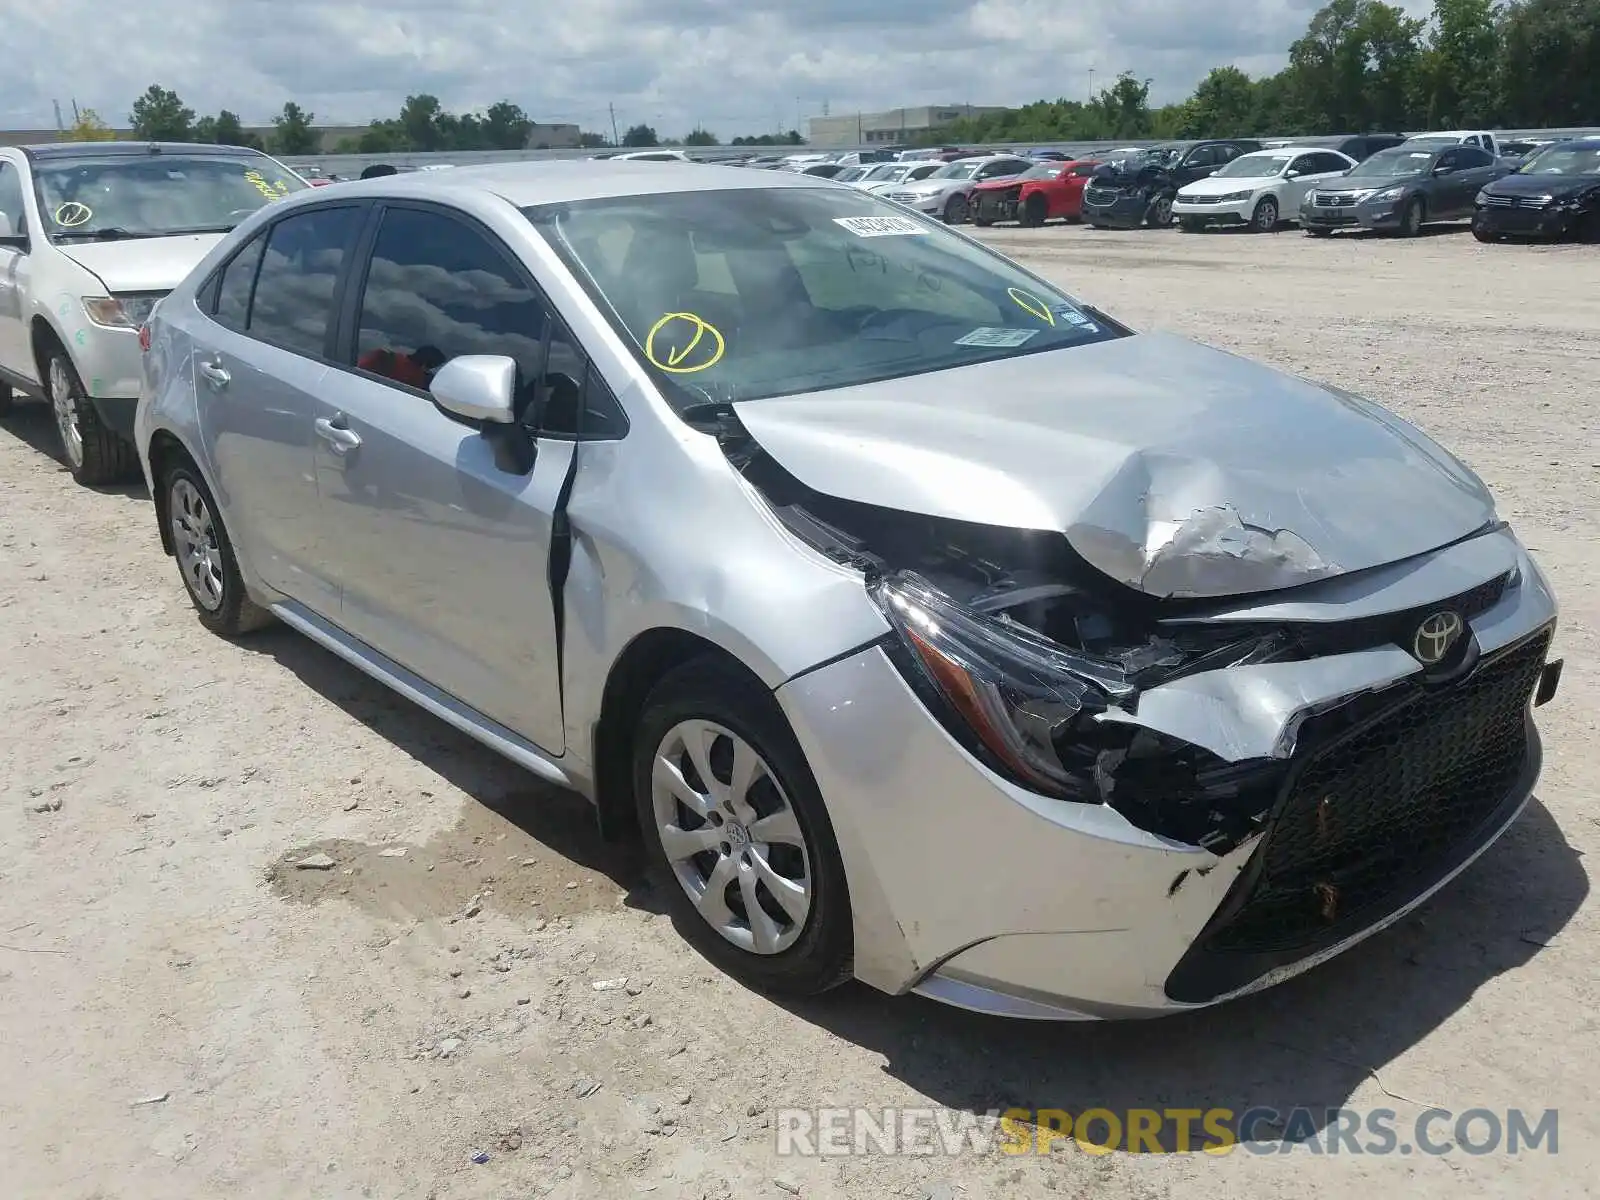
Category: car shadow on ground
<point>33,424</point>
<point>559,819</point>
<point>1309,1043</point>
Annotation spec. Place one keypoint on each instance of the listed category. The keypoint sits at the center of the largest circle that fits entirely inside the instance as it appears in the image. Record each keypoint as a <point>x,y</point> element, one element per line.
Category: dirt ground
<point>187,1011</point>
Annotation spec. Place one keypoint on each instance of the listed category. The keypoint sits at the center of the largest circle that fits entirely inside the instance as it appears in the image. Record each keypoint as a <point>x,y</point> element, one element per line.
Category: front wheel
<point>1034,212</point>
<point>1411,218</point>
<point>1313,231</point>
<point>7,398</point>
<point>982,222</point>
<point>1484,235</point>
<point>205,556</point>
<point>730,811</point>
<point>94,454</point>
<point>1191,224</point>
<point>1161,212</point>
<point>1265,218</point>
<point>955,211</point>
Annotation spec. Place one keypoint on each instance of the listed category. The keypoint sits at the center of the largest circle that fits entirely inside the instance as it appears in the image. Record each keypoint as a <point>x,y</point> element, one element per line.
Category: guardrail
<point>353,164</point>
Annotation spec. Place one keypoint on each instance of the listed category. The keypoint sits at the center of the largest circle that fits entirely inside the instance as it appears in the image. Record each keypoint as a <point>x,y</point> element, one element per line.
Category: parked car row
<point>1396,185</point>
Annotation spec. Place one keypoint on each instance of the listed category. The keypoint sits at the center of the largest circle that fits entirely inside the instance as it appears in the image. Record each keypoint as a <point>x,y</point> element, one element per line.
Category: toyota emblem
<point>1435,636</point>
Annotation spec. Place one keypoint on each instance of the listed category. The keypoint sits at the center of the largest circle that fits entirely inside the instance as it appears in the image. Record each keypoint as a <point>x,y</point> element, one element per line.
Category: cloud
<point>732,67</point>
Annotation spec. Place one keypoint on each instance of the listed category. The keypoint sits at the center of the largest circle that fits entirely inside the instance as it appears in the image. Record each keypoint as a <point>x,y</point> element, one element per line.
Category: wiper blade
<point>112,233</point>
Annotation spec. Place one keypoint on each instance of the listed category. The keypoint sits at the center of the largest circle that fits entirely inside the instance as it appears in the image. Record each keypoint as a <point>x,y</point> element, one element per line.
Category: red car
<point>1051,189</point>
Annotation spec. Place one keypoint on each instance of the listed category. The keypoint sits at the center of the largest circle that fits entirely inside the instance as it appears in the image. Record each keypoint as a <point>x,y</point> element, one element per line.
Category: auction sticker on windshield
<point>1007,338</point>
<point>880,226</point>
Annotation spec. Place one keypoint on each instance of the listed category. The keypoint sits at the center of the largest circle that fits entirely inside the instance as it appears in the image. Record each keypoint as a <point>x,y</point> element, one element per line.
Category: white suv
<point>92,236</point>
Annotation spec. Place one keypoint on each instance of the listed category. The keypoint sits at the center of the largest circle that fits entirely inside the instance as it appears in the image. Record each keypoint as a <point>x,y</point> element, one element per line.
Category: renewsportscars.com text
<point>831,1132</point>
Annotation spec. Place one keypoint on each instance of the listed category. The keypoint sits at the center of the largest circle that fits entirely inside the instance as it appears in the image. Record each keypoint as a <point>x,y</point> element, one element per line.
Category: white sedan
<point>1258,189</point>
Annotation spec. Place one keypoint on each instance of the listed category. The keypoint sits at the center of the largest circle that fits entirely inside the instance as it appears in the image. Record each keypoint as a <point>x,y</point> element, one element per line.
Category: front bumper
<point>1118,210</point>
<point>1366,215</point>
<point>1523,222</point>
<point>971,890</point>
<point>994,206</point>
<point>1199,212</point>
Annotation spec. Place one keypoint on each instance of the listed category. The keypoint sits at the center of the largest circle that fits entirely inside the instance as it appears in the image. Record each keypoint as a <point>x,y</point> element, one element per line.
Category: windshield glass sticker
<point>1073,317</point>
<point>682,343</point>
<point>1008,338</point>
<point>1031,304</point>
<point>880,226</point>
<point>72,214</point>
<point>259,182</point>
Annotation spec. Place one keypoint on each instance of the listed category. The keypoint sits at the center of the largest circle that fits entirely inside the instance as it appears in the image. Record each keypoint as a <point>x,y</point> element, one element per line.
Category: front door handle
<point>339,436</point>
<point>215,374</point>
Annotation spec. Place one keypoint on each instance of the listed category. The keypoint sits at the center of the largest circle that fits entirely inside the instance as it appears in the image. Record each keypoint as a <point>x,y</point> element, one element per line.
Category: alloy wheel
<point>731,836</point>
<point>1267,215</point>
<point>65,406</point>
<point>194,535</point>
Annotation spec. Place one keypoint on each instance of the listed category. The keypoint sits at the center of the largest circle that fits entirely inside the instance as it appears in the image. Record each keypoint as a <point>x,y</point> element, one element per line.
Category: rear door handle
<point>337,433</point>
<point>215,374</point>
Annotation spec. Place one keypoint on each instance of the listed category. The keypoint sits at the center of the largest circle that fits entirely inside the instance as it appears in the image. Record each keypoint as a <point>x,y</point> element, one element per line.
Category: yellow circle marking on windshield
<point>1029,303</point>
<point>72,214</point>
<point>709,352</point>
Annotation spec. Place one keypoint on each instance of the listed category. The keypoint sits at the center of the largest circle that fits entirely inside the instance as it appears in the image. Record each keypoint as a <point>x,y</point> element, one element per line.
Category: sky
<point>733,68</point>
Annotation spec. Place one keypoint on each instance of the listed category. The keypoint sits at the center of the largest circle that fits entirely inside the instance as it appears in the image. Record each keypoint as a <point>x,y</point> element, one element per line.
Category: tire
<point>956,210</point>
<point>1411,218</point>
<point>93,453</point>
<point>1160,215</point>
<point>1265,217</point>
<point>982,222</point>
<point>1035,212</point>
<point>716,706</point>
<point>7,400</point>
<point>205,555</point>
<point>1191,224</point>
<point>1313,231</point>
<point>1483,236</point>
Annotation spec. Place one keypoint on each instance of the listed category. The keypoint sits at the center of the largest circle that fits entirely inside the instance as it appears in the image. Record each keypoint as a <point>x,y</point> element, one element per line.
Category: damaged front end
<point>1022,651</point>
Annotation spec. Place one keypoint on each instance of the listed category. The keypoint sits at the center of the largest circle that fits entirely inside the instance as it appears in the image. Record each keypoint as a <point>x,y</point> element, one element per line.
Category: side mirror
<point>478,387</point>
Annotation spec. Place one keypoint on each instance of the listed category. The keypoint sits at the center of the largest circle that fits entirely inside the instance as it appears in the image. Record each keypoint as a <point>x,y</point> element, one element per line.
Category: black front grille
<point>1380,807</point>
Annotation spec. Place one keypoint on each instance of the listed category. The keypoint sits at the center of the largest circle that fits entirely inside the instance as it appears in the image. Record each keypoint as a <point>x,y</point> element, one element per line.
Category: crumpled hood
<point>1542,185</point>
<point>142,264</point>
<point>1172,467</point>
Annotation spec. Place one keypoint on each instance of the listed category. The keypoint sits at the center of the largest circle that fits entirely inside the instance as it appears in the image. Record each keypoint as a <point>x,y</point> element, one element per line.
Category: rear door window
<point>293,303</point>
<point>237,282</point>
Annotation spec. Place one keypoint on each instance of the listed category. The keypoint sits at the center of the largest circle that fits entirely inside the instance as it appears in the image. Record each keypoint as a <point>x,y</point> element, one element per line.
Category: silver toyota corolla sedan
<point>932,626</point>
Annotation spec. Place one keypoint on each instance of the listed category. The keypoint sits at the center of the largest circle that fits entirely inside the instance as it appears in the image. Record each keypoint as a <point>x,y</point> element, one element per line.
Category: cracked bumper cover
<point>979,893</point>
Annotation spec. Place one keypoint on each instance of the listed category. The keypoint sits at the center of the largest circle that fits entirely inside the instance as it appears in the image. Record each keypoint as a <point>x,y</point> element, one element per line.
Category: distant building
<point>897,125</point>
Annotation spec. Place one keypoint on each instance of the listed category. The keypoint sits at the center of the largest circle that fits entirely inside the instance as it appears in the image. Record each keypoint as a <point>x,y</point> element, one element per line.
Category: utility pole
<point>59,126</point>
<point>615,141</point>
<point>1091,83</point>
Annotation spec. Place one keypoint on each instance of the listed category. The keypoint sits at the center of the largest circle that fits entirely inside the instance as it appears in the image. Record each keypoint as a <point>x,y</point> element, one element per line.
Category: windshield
<point>1043,171</point>
<point>758,292</point>
<point>892,172</point>
<point>851,174</point>
<point>156,195</point>
<point>1394,164</point>
<point>1253,166</point>
<point>1564,160</point>
<point>956,170</point>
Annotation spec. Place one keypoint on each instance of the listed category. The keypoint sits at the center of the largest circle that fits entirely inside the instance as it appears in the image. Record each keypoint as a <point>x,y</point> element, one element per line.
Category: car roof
<point>67,150</point>
<point>557,181</point>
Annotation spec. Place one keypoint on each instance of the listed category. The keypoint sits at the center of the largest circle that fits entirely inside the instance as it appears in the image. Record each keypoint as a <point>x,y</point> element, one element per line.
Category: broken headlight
<point>1015,690</point>
<point>1020,699</point>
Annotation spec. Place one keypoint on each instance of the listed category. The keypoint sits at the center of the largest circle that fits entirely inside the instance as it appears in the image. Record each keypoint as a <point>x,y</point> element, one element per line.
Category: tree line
<point>1362,66</point>
<point>423,125</point>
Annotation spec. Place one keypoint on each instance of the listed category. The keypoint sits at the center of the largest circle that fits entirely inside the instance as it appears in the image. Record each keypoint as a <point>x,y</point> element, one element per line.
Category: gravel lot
<point>184,1012</point>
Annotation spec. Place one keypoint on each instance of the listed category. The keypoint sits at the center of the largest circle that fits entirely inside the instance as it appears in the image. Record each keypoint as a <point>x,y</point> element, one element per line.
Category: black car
<point>1359,146</point>
<point>1128,193</point>
<point>1401,189</point>
<point>1554,193</point>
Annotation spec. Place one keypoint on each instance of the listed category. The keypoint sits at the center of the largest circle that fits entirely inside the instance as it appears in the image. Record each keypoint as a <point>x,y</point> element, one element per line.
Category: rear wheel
<point>730,810</point>
<point>955,210</point>
<point>94,454</point>
<point>205,556</point>
<point>1034,212</point>
<point>1265,218</point>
